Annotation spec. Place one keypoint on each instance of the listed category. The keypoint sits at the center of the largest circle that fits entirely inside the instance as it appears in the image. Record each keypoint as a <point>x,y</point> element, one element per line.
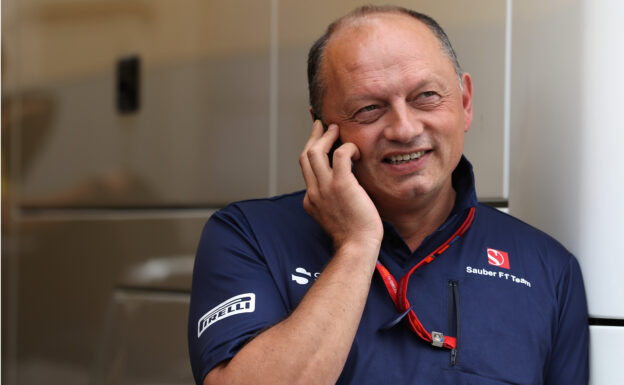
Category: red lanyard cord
<point>398,292</point>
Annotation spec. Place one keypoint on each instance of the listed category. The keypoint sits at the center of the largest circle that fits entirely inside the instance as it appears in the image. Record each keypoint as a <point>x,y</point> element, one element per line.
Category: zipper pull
<point>453,357</point>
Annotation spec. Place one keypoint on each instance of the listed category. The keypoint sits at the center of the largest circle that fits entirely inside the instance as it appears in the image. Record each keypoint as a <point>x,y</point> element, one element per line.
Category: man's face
<point>396,96</point>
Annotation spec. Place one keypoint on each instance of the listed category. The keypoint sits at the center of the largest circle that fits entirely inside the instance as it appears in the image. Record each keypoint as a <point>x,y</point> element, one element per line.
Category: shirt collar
<point>464,185</point>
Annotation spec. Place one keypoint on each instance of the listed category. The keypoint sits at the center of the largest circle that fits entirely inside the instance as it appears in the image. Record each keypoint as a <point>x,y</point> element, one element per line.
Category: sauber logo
<point>302,276</point>
<point>243,303</point>
<point>498,258</point>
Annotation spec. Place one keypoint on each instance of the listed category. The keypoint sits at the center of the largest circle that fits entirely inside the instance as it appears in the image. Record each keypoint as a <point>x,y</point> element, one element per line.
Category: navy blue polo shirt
<point>512,295</point>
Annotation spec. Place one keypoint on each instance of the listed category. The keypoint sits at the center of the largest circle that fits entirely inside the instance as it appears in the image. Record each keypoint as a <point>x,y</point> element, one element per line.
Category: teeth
<point>396,159</point>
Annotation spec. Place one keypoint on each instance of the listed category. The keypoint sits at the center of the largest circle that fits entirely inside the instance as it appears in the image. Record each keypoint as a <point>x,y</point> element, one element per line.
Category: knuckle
<point>308,204</point>
<point>341,153</point>
<point>303,157</point>
<point>310,197</point>
<point>337,186</point>
<point>313,152</point>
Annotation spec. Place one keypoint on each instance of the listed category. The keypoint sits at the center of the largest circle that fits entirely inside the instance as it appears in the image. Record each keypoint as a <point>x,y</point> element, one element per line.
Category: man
<point>418,283</point>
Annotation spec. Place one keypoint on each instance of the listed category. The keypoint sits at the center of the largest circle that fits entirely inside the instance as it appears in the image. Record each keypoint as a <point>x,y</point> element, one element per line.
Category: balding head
<point>316,85</point>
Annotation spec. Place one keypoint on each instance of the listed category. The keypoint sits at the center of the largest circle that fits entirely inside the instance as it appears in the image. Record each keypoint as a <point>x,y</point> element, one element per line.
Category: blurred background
<point>126,123</point>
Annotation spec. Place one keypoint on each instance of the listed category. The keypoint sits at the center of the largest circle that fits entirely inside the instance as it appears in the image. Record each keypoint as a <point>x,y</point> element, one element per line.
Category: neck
<point>424,216</point>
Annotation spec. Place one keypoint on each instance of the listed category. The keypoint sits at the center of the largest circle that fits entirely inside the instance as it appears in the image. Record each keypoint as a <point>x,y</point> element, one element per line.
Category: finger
<point>343,157</point>
<point>308,174</point>
<point>304,161</point>
<point>327,139</point>
<point>317,132</point>
<point>317,154</point>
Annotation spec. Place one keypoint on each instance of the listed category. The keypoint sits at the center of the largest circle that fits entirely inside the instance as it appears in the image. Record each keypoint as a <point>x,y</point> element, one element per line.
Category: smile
<point>404,158</point>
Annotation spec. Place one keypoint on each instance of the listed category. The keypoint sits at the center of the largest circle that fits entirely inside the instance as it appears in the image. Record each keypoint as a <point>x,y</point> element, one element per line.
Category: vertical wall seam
<point>507,98</point>
<point>273,98</point>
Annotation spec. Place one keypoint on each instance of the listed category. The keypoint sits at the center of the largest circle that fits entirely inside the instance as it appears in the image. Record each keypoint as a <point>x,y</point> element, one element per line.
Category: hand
<point>334,197</point>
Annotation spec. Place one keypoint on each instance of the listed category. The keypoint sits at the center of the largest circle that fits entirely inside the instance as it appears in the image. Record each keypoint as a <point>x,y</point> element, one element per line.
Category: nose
<point>403,127</point>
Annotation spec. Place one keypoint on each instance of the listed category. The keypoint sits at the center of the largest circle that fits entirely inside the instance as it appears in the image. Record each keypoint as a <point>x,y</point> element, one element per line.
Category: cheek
<point>363,140</point>
<point>448,130</point>
<point>455,147</point>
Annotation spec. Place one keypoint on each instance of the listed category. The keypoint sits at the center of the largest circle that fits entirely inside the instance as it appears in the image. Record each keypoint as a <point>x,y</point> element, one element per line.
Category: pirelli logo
<point>243,303</point>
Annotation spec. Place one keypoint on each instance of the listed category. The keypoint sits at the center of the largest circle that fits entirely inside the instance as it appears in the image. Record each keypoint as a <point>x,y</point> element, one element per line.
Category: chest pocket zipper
<point>453,317</point>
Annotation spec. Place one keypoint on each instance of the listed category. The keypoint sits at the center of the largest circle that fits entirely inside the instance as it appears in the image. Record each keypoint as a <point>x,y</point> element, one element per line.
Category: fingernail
<point>332,126</point>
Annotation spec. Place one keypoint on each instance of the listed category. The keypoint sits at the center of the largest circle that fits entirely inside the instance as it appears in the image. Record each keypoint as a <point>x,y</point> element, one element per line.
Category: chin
<point>399,188</point>
<point>414,192</point>
<point>400,193</point>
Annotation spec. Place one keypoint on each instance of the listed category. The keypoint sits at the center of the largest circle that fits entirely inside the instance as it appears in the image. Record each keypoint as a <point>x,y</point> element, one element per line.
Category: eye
<point>427,100</point>
<point>427,94</point>
<point>367,108</point>
<point>368,114</point>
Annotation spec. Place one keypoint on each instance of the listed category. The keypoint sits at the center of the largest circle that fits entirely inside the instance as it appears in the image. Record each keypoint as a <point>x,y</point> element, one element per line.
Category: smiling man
<point>386,269</point>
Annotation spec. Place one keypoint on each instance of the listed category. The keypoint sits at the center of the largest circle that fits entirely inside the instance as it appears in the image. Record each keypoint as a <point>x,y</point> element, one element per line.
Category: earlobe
<point>312,114</point>
<point>467,100</point>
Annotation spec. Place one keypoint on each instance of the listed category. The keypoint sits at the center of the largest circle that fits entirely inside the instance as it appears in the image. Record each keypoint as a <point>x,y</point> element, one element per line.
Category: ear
<point>312,114</point>
<point>467,100</point>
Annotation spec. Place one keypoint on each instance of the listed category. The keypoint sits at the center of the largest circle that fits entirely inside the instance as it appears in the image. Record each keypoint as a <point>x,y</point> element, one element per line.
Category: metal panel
<point>477,31</point>
<point>605,345</point>
<point>70,270</point>
<point>567,177</point>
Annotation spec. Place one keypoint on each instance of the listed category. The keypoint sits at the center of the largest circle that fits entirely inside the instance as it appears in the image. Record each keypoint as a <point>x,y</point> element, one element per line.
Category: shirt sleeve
<point>569,356</point>
<point>233,295</point>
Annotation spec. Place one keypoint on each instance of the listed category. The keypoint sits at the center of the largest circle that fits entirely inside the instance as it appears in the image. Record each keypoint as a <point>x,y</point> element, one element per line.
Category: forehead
<point>378,42</point>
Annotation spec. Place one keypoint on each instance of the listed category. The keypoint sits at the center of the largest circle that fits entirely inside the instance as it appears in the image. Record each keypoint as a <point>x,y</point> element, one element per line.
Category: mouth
<point>404,158</point>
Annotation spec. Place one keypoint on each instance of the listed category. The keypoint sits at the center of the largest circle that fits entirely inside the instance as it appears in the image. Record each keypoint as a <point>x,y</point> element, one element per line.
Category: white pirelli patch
<point>243,303</point>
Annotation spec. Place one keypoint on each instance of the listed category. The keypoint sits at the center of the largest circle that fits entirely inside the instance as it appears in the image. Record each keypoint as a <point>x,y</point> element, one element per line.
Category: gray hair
<point>316,86</point>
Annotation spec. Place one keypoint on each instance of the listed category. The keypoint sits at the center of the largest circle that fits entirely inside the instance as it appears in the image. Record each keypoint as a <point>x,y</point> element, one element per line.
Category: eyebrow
<point>367,94</point>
